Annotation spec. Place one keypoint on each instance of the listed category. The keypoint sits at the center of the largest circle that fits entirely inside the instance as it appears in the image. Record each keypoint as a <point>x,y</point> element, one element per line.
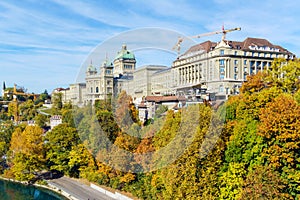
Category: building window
<point>221,52</point>
<point>235,76</point>
<point>258,54</point>
<point>108,82</point>
<point>245,62</point>
<point>221,88</point>
<point>222,62</point>
<point>127,66</point>
<point>245,53</point>
<point>222,69</point>
<point>253,54</point>
<point>235,69</point>
<point>245,76</point>
<point>235,62</point>
<point>222,76</point>
<point>107,71</point>
<point>235,53</point>
<point>97,90</point>
<point>91,90</point>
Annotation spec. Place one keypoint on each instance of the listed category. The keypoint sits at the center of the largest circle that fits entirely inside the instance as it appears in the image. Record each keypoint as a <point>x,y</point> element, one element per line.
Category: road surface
<point>78,190</point>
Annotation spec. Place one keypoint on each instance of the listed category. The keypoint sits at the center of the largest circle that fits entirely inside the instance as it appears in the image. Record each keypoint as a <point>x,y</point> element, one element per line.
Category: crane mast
<point>223,31</point>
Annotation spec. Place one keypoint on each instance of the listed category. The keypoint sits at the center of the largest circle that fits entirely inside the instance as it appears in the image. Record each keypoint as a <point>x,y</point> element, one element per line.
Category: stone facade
<point>222,67</point>
<point>208,70</point>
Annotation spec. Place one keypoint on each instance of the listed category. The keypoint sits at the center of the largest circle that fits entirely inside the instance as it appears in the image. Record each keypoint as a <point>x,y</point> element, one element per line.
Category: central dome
<point>124,54</point>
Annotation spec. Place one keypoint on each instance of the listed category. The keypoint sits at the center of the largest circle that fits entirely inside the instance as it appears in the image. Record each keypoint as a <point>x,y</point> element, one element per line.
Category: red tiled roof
<point>244,45</point>
<point>153,98</point>
<point>142,105</point>
<point>164,98</point>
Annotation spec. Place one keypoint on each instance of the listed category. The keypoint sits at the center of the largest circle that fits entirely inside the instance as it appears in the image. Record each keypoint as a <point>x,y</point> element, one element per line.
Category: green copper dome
<point>125,54</point>
<point>106,63</point>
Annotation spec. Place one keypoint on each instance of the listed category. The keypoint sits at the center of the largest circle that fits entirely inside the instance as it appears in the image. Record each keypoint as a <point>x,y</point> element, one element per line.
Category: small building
<point>149,105</point>
<point>31,123</point>
<point>143,112</point>
<point>55,120</point>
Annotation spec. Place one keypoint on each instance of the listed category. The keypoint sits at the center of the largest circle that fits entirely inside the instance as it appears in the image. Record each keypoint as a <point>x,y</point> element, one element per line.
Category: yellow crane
<point>15,101</point>
<point>224,31</point>
<point>16,92</point>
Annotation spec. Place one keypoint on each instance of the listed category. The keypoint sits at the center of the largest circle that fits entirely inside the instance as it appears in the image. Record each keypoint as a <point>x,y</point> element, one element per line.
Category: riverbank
<point>14,189</point>
<point>77,189</point>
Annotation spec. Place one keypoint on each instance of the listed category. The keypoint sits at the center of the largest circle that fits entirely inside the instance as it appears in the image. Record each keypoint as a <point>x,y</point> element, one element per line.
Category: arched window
<point>97,90</point>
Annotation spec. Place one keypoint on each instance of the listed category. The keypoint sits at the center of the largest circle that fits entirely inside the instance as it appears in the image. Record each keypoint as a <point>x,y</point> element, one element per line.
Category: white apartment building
<point>221,68</point>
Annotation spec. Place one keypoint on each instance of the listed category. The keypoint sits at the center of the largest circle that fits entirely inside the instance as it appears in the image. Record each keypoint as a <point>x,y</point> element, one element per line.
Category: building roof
<point>91,68</point>
<point>125,54</point>
<point>249,43</point>
<point>163,70</point>
<point>158,99</point>
<point>142,105</point>
<point>56,117</point>
<point>106,63</point>
<point>152,67</point>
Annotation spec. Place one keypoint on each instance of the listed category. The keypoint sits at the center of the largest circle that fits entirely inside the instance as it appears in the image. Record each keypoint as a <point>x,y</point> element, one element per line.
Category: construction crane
<point>224,31</point>
<point>15,92</point>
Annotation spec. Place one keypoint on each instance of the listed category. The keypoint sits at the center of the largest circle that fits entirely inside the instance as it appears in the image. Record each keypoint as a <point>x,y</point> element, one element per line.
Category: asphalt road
<point>77,189</point>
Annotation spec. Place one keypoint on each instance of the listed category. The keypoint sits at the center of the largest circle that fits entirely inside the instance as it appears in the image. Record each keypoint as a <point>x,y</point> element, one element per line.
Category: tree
<point>60,142</point>
<point>27,152</point>
<point>41,120</point>
<point>6,130</point>
<point>57,104</point>
<point>126,114</point>
<point>81,162</point>
<point>263,183</point>
<point>279,128</point>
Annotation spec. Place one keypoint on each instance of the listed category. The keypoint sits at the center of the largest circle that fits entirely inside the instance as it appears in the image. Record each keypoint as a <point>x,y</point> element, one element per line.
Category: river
<point>17,191</point>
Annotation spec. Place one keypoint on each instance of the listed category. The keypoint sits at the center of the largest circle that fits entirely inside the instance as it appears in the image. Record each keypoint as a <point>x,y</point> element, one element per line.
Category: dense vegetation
<point>257,155</point>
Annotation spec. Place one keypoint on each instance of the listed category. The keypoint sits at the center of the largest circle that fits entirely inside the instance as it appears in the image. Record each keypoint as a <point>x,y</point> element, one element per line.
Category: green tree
<point>41,120</point>
<point>57,104</point>
<point>60,142</point>
<point>6,130</point>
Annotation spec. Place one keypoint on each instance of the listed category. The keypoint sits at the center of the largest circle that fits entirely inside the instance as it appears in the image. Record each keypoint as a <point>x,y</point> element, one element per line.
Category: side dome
<point>91,68</point>
<point>106,63</point>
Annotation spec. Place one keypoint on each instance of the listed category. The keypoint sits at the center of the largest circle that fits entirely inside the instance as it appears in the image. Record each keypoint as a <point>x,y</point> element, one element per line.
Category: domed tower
<point>107,77</point>
<point>124,62</point>
<point>91,70</point>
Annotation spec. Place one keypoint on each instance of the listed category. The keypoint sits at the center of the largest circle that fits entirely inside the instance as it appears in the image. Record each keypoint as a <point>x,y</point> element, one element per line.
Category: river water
<point>16,191</point>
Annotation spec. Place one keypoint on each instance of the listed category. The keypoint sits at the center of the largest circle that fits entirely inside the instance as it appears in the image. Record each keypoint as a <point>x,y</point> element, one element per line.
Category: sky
<point>48,44</point>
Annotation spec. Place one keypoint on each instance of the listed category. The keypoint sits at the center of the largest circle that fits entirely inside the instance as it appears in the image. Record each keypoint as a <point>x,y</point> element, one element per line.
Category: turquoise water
<point>16,191</point>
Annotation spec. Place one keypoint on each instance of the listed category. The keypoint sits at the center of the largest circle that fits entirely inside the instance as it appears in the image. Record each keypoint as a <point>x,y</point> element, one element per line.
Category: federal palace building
<point>209,70</point>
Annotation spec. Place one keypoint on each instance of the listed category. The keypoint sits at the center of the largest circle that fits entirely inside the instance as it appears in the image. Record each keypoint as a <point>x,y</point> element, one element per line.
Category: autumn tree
<point>81,162</point>
<point>125,112</point>
<point>263,183</point>
<point>280,127</point>
<point>27,152</point>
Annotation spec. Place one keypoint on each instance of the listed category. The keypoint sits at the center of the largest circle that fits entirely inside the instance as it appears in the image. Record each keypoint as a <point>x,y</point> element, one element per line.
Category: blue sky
<point>43,44</point>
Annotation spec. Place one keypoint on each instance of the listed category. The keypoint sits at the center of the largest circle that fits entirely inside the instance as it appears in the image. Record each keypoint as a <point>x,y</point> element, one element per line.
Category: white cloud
<point>51,39</point>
